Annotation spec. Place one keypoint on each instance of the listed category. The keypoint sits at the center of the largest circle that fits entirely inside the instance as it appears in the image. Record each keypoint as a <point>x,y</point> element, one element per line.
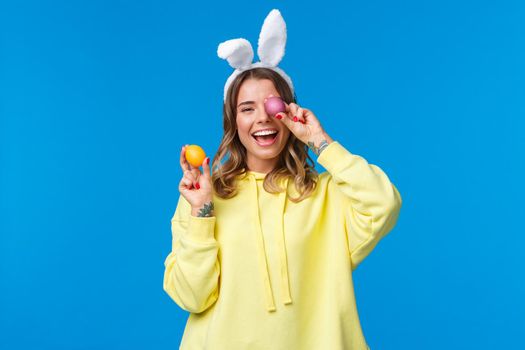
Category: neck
<point>264,167</point>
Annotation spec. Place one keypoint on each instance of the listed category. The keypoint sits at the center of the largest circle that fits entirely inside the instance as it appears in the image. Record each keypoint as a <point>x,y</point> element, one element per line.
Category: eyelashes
<point>246,109</point>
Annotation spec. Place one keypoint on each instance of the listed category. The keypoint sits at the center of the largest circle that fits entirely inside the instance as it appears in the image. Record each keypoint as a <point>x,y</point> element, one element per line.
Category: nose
<point>262,116</point>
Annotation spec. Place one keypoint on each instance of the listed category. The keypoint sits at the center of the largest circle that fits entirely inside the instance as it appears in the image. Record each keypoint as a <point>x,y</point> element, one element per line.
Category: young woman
<point>264,247</point>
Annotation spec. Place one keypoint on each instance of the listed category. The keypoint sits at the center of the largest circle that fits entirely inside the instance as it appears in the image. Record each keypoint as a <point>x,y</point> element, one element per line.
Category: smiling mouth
<point>266,140</point>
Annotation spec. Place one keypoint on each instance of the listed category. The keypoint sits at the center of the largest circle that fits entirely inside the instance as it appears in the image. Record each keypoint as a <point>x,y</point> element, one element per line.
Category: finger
<point>293,109</point>
<point>284,116</point>
<point>306,115</point>
<point>185,184</point>
<point>299,115</point>
<point>195,172</point>
<point>309,117</point>
<point>183,162</point>
<point>204,176</point>
<point>206,168</point>
<point>285,119</point>
<point>190,175</point>
<point>194,178</point>
<point>288,109</point>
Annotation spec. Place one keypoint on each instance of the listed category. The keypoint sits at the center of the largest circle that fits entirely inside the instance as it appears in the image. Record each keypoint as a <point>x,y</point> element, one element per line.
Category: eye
<point>246,109</point>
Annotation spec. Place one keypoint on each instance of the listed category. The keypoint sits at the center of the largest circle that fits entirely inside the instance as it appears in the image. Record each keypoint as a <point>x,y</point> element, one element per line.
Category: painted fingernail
<point>295,119</point>
<point>207,161</point>
<point>197,186</point>
<point>302,121</point>
<point>278,116</point>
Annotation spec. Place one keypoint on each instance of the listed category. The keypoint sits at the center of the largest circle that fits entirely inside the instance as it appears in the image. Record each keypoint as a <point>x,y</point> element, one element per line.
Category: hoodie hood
<point>253,210</point>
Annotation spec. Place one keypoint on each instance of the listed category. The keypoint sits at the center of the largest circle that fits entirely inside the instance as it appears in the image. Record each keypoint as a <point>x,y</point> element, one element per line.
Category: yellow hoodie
<point>268,273</point>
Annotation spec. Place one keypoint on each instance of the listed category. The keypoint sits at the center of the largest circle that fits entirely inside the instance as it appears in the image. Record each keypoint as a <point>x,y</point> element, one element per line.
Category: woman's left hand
<point>303,123</point>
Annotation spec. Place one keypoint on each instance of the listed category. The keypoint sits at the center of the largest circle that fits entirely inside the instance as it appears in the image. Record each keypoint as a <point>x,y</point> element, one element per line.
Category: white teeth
<point>265,132</point>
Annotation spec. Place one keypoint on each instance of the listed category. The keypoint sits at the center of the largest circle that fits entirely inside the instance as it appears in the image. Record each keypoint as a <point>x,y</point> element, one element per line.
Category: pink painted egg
<point>274,105</point>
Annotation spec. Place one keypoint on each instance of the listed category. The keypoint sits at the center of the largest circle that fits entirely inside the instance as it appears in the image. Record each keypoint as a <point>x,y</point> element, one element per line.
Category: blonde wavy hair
<point>230,160</point>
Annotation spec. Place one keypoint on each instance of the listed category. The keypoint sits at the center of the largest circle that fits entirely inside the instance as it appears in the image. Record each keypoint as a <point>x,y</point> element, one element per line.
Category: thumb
<point>206,168</point>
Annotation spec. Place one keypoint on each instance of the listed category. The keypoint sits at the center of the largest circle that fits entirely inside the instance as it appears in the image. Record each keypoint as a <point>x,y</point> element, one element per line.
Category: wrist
<point>202,211</point>
<point>318,142</point>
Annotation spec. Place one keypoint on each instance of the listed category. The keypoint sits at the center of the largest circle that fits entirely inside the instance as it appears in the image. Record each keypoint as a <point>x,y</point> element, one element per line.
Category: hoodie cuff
<point>201,229</point>
<point>331,157</point>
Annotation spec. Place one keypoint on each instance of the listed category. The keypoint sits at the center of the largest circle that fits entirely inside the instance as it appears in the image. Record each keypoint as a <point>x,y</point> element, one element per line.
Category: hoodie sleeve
<point>371,203</point>
<point>192,269</point>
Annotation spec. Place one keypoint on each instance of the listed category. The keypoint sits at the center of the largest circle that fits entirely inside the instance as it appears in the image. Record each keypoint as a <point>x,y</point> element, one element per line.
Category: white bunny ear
<point>238,52</point>
<point>272,39</point>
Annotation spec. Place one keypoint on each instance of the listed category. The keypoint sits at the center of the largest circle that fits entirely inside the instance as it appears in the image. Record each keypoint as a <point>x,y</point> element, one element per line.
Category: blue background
<point>97,97</point>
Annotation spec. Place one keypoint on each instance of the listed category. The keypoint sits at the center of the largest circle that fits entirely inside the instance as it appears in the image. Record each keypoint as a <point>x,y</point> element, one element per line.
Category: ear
<point>238,52</point>
<point>272,39</point>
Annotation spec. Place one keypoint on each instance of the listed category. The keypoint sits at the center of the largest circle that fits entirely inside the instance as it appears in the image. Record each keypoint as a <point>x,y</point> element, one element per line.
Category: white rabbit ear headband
<point>272,40</point>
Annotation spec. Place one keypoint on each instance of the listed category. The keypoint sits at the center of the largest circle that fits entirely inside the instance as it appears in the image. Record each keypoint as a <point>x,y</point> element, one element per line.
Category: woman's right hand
<point>196,187</point>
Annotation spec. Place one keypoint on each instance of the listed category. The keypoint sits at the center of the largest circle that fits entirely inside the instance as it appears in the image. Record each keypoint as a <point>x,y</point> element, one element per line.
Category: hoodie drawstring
<point>263,262</point>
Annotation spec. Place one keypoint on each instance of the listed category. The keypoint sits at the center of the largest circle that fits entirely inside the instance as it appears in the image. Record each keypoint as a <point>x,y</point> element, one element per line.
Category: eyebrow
<point>245,103</point>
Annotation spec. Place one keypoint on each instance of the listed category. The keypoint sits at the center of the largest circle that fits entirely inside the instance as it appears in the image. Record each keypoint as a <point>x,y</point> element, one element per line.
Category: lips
<point>265,141</point>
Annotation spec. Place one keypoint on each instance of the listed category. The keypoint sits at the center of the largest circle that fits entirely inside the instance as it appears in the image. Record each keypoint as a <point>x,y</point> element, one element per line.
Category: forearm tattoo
<point>206,211</point>
<point>318,150</point>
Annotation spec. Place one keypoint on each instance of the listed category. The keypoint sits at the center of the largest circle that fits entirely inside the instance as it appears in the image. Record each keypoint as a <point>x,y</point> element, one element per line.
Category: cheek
<point>243,130</point>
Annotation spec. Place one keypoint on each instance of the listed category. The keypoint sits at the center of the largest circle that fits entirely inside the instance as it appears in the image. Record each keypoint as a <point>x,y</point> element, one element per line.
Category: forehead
<point>253,89</point>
